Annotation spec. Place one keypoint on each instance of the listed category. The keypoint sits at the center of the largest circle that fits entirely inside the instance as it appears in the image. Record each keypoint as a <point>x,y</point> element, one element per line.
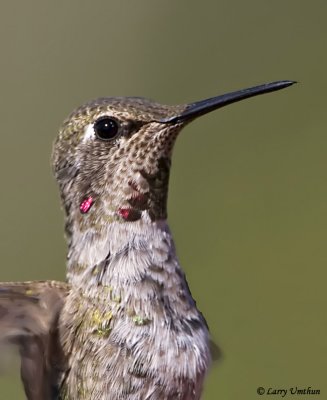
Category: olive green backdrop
<point>248,189</point>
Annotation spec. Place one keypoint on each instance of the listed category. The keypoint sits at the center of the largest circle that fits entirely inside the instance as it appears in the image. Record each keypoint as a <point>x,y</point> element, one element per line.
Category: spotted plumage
<point>124,326</point>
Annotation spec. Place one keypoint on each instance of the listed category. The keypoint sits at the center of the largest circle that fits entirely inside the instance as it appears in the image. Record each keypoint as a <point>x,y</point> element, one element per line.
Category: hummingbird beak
<point>202,107</point>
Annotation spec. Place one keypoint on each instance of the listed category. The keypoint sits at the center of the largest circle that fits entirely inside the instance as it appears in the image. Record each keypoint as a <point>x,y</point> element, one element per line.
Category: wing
<point>29,313</point>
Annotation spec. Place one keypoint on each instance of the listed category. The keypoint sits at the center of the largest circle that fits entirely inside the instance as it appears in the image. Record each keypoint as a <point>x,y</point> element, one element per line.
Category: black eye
<point>106,128</point>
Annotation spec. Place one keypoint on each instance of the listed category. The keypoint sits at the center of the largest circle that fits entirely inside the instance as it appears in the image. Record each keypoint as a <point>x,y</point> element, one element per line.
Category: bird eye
<point>106,128</point>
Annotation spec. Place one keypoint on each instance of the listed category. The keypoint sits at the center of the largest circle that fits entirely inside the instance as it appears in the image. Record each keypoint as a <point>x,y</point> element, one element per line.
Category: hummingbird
<point>124,325</point>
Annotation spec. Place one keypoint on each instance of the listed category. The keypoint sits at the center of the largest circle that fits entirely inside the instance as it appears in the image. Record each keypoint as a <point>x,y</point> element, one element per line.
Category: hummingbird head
<point>112,156</point>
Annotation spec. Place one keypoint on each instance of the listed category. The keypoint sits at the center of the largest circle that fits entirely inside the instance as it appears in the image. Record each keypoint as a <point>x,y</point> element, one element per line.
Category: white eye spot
<point>88,133</point>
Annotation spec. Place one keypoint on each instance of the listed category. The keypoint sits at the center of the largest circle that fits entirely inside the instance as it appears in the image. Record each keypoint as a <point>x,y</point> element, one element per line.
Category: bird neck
<point>122,254</point>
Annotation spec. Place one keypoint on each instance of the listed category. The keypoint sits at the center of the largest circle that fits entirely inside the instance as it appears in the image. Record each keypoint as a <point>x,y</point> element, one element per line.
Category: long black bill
<point>194,110</point>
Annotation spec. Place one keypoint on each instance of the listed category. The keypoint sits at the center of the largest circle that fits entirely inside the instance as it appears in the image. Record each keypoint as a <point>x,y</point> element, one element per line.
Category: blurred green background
<point>248,193</point>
